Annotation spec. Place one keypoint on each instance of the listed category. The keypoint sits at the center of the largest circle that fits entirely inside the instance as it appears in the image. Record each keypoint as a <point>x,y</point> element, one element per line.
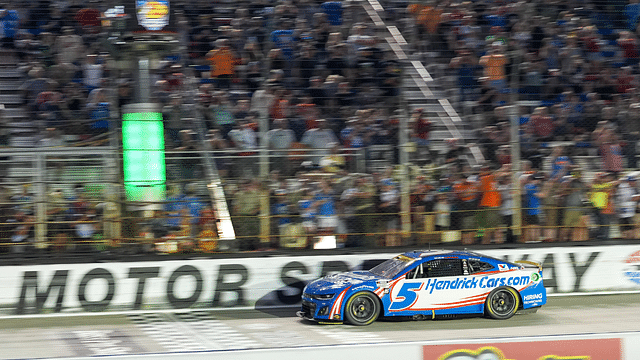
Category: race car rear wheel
<point>502,303</point>
<point>362,309</point>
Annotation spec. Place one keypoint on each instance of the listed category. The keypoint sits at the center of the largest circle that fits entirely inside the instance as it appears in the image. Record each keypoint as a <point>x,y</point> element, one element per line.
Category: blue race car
<point>426,284</point>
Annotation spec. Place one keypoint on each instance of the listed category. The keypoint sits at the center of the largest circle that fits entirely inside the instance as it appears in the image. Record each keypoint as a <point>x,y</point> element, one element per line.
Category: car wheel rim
<point>503,302</point>
<point>362,308</point>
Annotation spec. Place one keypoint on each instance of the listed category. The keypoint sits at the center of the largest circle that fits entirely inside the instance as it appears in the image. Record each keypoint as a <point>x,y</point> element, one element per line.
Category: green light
<point>142,116</point>
<point>143,156</point>
<point>142,134</point>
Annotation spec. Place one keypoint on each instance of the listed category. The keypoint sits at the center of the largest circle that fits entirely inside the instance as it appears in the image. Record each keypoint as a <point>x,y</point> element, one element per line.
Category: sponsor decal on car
<point>483,282</point>
<point>532,298</point>
<point>409,293</point>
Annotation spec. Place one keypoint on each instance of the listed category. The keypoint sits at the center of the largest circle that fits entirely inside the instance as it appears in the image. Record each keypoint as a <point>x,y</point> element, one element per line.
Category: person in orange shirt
<point>417,35</point>
<point>223,62</point>
<point>466,191</point>
<point>490,202</point>
<point>494,64</point>
<point>429,19</point>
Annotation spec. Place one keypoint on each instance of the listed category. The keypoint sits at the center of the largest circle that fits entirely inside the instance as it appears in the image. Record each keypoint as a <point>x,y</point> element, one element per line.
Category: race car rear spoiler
<point>530,264</point>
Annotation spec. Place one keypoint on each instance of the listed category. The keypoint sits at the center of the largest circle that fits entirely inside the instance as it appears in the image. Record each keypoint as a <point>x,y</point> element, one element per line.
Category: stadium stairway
<point>22,129</point>
<point>421,89</point>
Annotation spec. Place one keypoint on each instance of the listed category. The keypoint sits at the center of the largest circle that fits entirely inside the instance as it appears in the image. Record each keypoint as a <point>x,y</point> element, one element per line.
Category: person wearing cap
<point>627,199</point>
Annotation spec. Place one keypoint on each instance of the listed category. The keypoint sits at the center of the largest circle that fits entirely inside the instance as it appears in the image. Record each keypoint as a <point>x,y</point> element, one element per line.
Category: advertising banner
<point>152,15</point>
<point>601,349</point>
<point>267,281</point>
<point>147,16</point>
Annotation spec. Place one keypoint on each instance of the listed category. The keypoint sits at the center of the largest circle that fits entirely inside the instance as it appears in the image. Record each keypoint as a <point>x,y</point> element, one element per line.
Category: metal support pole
<point>144,85</point>
<point>112,161</point>
<point>405,186</point>
<point>265,222</point>
<point>40,197</point>
<point>516,169</point>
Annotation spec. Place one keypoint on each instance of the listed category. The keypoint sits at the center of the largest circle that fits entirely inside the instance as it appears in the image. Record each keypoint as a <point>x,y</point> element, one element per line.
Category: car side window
<point>476,266</point>
<point>442,267</point>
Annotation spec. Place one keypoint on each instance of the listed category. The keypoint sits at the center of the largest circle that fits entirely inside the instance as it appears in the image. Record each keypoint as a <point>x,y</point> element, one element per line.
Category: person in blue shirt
<point>532,207</point>
<point>308,212</point>
<point>195,206</point>
<point>333,9</point>
<point>466,65</point>
<point>560,163</point>
<point>325,202</point>
<point>9,23</point>
<point>173,207</point>
<point>281,211</point>
<point>284,39</point>
<point>98,108</point>
<point>632,14</point>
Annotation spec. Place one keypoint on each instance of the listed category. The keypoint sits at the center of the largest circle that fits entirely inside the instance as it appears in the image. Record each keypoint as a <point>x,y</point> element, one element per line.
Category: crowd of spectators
<point>315,71</point>
<point>321,79</point>
<point>299,61</point>
<point>569,72</point>
<point>565,66</point>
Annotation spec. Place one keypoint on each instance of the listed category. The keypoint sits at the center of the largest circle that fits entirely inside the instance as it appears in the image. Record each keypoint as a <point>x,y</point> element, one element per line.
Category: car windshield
<point>392,267</point>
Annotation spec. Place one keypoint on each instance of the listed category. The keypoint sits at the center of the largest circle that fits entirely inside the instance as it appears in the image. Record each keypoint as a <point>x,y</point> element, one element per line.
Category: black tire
<point>362,308</point>
<point>502,303</point>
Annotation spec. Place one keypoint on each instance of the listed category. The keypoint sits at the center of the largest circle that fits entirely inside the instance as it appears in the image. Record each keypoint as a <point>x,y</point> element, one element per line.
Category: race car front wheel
<point>362,309</point>
<point>502,303</point>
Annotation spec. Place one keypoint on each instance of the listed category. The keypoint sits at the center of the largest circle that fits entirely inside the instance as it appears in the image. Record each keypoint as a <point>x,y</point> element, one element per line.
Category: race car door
<point>437,286</point>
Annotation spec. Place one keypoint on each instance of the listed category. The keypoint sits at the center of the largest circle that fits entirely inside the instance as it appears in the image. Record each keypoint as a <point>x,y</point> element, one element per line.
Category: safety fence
<point>65,201</point>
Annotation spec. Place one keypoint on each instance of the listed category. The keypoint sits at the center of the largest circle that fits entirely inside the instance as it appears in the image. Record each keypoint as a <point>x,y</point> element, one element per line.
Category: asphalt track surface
<point>228,330</point>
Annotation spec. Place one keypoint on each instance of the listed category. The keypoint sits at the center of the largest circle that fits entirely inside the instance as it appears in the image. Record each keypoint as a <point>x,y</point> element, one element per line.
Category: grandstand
<point>311,124</point>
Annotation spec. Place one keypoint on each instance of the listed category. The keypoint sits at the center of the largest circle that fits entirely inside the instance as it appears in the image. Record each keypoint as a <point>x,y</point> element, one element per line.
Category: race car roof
<point>422,253</point>
<point>425,253</point>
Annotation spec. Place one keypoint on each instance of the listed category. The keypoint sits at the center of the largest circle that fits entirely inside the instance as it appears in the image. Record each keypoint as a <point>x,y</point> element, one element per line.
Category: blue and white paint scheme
<point>426,284</point>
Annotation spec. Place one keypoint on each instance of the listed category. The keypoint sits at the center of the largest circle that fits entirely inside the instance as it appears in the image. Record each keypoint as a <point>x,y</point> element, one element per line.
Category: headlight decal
<point>320,297</point>
<point>323,297</point>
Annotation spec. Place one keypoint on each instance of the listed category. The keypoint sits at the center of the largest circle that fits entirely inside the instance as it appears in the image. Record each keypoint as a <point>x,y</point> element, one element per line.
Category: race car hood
<point>336,282</point>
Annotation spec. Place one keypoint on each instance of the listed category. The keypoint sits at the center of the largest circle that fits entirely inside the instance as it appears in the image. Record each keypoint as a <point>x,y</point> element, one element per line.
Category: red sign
<point>592,349</point>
